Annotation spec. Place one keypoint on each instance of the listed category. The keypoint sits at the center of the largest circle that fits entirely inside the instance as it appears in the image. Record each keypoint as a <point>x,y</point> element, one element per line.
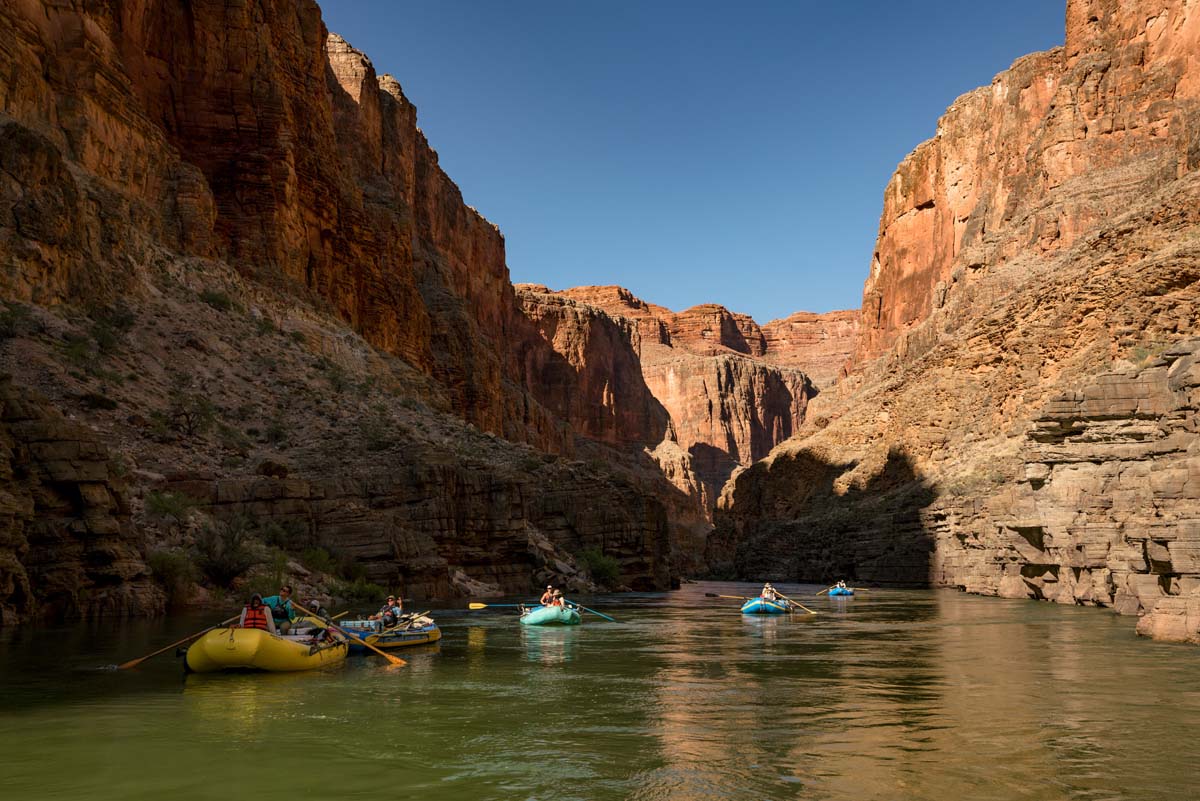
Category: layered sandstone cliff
<point>818,344</point>
<point>1020,419</point>
<point>222,223</point>
<point>705,367</point>
<point>1026,166</point>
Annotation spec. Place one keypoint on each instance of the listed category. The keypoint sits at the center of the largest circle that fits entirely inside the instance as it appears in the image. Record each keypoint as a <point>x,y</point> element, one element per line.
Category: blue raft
<point>550,616</point>
<point>761,606</point>
<point>841,591</point>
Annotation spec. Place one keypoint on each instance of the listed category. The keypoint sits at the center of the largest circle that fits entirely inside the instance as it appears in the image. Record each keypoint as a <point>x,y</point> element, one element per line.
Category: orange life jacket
<point>255,618</point>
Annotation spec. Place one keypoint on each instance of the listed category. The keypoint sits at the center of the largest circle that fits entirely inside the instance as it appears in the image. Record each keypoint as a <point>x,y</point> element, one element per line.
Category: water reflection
<point>549,645</point>
<point>891,695</point>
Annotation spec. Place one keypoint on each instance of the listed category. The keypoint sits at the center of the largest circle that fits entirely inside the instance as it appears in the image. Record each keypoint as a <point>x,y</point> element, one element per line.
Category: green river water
<point>889,695</point>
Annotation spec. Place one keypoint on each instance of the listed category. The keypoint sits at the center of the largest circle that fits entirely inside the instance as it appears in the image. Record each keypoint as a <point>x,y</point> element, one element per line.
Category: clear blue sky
<point>693,151</point>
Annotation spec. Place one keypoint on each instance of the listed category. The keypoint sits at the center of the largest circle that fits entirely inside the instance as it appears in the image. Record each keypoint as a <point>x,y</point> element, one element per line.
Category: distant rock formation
<point>819,344</point>
<point>705,366</point>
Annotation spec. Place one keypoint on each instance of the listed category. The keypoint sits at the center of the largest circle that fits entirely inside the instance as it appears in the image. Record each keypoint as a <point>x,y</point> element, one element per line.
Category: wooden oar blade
<point>476,606</point>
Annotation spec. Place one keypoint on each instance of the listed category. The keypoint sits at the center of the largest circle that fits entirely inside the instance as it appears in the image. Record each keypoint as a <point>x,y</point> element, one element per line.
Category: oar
<point>395,660</point>
<point>789,600</point>
<point>735,597</point>
<point>827,589</point>
<point>136,662</point>
<point>593,611</point>
<point>477,605</point>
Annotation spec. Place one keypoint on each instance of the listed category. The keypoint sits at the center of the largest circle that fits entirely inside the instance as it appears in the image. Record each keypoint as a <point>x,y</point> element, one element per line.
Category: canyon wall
<point>249,134</point>
<point>705,367</point>
<point>1019,417</point>
<point>1027,165</point>
<point>819,344</point>
<point>195,194</point>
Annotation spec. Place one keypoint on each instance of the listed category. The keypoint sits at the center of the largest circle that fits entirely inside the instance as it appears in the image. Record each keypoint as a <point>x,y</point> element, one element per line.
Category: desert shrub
<point>16,320</point>
<point>174,571</point>
<point>172,506</point>
<point>218,300</point>
<point>290,535</point>
<point>605,570</point>
<point>276,432</point>
<point>190,413</point>
<point>298,337</point>
<point>96,400</point>
<point>233,439</point>
<point>264,326</point>
<point>378,430</point>
<point>223,551</point>
<point>77,349</point>
<point>319,559</point>
<point>109,326</point>
<point>358,591</point>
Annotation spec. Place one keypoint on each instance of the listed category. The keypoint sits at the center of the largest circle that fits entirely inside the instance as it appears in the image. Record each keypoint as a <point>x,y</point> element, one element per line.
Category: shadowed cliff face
<point>810,515</point>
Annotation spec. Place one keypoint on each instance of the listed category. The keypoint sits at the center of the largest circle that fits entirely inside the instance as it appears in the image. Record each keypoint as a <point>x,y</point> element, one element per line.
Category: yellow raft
<point>254,649</point>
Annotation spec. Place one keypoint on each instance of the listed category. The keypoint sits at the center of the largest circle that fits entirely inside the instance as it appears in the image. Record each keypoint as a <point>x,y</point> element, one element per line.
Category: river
<point>888,695</point>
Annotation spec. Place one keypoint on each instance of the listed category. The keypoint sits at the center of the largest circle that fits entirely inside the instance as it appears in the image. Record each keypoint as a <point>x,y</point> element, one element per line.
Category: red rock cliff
<point>1054,146</point>
<point>247,133</point>
<point>727,406</point>
<point>1021,420</point>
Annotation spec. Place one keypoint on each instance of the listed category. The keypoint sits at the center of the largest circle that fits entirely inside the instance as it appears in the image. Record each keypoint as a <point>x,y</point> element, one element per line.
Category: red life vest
<point>255,618</point>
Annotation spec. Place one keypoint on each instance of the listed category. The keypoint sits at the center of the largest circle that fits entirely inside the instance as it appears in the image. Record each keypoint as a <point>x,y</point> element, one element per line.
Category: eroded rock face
<point>818,344</point>
<point>591,376</point>
<point>251,135</point>
<point>423,528</point>
<point>1029,164</point>
<point>727,407</point>
<point>67,549</point>
<point>144,145</point>
<point>1019,421</point>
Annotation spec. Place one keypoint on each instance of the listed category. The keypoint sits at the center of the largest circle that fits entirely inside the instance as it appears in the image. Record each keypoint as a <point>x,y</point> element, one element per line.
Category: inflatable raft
<point>841,591</point>
<point>761,606</point>
<point>236,648</point>
<point>414,631</point>
<point>550,616</point>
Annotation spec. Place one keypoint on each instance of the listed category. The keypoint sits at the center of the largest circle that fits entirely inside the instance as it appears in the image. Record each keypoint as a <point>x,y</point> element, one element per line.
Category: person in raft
<point>389,613</point>
<point>559,600</point>
<point>254,615</point>
<point>281,608</point>
<point>841,585</point>
<point>547,596</point>
<point>768,593</point>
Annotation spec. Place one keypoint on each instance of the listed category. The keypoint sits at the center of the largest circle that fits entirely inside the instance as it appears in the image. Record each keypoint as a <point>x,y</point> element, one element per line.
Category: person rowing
<point>547,596</point>
<point>768,593</point>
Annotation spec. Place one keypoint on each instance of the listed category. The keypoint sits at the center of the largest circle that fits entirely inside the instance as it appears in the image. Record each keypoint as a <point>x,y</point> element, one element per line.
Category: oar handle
<point>140,660</point>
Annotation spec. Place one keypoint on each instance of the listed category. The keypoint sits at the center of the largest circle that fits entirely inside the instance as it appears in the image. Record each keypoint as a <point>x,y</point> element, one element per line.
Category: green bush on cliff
<point>223,551</point>
<point>218,300</point>
<point>173,506</point>
<point>16,320</point>
<point>605,570</point>
<point>358,591</point>
<point>174,571</point>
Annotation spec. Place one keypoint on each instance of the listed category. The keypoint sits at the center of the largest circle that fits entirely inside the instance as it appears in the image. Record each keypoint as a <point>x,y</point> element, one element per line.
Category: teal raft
<point>841,591</point>
<point>761,606</point>
<point>550,616</point>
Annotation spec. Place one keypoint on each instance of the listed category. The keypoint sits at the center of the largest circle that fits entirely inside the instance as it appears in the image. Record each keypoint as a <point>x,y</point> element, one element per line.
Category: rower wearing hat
<point>547,596</point>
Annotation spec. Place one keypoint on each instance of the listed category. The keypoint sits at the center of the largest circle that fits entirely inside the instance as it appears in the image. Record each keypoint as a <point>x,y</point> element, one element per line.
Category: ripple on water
<point>889,695</point>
